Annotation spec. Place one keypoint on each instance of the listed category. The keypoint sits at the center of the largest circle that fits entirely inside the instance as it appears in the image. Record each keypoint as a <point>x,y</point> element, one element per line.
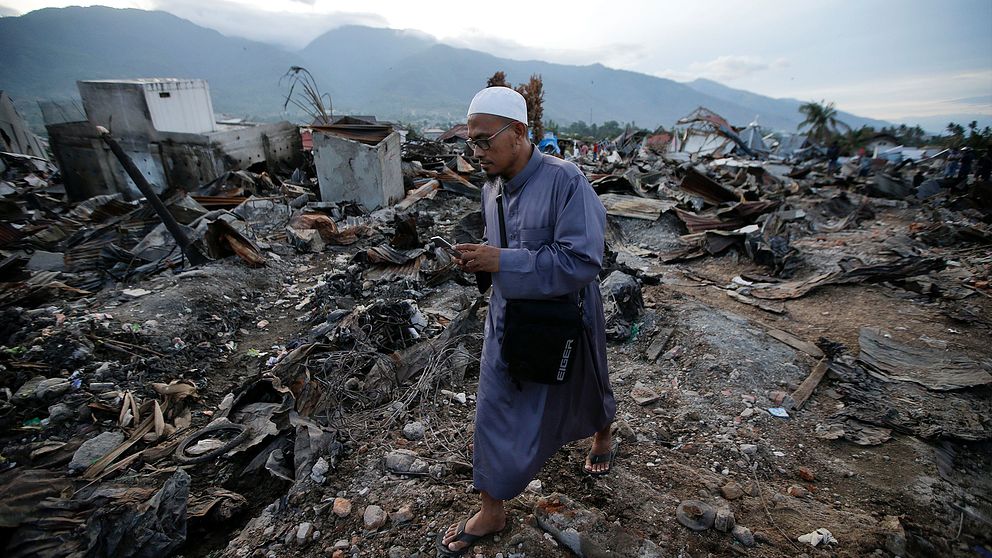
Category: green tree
<point>855,139</point>
<point>821,121</point>
<point>956,135</point>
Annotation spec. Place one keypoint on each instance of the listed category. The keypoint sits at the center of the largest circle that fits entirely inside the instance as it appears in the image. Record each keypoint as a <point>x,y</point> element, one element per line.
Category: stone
<point>807,474</point>
<point>60,412</point>
<point>724,520</point>
<point>93,449</point>
<point>673,353</point>
<point>777,397</point>
<point>643,395</point>
<point>398,552</point>
<point>399,461</point>
<point>342,507</point>
<point>402,515</point>
<point>743,536</point>
<point>414,431</point>
<point>374,517</point>
<point>695,515</point>
<point>797,491</point>
<point>135,293</point>
<point>731,490</point>
<point>318,473</point>
<point>341,544</point>
<point>303,532</point>
<point>747,412</point>
<point>456,397</point>
<point>419,467</point>
<point>895,535</point>
<point>624,429</point>
<point>749,449</point>
<point>436,471</point>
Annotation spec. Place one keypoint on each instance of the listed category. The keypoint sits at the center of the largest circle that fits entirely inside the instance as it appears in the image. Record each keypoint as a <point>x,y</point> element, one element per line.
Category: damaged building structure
<point>168,128</point>
<point>15,136</point>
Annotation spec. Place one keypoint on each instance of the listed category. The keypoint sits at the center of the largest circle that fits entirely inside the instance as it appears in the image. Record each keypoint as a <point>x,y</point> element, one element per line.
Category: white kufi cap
<point>501,101</point>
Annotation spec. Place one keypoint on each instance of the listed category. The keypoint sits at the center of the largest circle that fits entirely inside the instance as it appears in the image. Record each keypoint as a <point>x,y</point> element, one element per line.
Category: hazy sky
<point>910,60</point>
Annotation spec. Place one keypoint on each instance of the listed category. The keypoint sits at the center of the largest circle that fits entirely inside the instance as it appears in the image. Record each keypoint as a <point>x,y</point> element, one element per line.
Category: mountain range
<point>394,74</point>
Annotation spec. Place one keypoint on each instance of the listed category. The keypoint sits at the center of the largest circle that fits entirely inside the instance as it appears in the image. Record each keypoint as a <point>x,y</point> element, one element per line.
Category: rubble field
<point>800,359</point>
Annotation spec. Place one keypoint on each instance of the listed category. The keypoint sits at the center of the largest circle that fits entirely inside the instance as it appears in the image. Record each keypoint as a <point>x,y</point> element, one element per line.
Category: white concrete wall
<point>180,106</point>
<point>352,171</point>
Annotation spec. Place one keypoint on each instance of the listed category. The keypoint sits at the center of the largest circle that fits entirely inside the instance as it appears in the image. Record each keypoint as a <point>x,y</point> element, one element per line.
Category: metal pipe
<point>189,249</point>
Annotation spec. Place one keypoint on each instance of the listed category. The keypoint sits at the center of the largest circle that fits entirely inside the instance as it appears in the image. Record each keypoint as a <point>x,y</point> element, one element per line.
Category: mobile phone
<point>446,245</point>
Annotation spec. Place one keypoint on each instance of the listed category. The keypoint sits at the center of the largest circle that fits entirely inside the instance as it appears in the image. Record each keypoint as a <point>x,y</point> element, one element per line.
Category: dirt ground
<point>708,427</point>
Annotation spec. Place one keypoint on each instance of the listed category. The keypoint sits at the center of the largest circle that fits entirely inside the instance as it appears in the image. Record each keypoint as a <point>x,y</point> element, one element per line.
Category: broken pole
<point>189,249</point>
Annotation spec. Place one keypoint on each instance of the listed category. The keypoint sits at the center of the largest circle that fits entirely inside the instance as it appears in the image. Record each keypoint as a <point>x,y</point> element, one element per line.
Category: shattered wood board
<point>766,306</point>
<point>659,343</point>
<point>931,368</point>
<point>637,208</point>
<point>805,389</point>
<point>796,343</point>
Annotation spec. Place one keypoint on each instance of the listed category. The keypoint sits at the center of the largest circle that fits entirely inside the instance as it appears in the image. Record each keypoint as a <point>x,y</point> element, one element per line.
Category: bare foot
<point>478,524</point>
<point>601,444</point>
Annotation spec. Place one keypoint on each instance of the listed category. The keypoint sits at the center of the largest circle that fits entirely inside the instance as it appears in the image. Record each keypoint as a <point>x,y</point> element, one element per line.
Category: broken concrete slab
<point>349,170</point>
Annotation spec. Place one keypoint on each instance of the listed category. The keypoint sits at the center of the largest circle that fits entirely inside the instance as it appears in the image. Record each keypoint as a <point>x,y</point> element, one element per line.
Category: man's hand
<point>478,257</point>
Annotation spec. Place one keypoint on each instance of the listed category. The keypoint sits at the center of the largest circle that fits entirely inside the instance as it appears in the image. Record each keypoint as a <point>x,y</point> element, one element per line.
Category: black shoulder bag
<point>541,338</point>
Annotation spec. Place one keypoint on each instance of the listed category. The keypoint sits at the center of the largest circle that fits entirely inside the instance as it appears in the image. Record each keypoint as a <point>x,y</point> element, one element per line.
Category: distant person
<point>953,164</point>
<point>832,153</point>
<point>983,167</point>
<point>595,151</point>
<point>864,166</point>
<point>967,157</point>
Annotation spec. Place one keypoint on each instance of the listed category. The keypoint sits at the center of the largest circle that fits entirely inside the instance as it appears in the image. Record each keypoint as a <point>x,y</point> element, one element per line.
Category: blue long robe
<point>555,228</point>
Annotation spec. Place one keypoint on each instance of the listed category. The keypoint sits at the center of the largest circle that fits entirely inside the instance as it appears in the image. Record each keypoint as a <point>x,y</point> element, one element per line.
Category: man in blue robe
<point>555,229</point>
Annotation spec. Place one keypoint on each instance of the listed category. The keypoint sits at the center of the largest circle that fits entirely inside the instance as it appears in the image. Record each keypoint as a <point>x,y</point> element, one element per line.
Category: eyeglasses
<point>486,143</point>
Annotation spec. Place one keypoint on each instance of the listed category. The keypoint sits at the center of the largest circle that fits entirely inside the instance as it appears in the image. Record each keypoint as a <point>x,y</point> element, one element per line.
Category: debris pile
<point>790,348</point>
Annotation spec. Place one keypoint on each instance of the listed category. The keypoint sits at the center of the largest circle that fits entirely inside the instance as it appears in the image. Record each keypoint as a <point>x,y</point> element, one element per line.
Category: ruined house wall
<point>352,171</point>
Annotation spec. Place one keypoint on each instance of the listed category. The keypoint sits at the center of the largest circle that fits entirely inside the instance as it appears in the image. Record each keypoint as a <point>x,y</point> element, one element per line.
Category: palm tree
<point>821,120</point>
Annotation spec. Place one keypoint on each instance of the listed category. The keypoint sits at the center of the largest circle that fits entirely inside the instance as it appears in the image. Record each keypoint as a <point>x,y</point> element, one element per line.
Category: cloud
<point>912,95</point>
<point>614,55</point>
<point>8,12</point>
<point>730,68</point>
<point>289,29</point>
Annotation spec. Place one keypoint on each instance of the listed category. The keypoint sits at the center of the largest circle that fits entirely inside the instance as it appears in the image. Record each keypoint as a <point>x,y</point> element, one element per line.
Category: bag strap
<point>502,221</point>
<point>505,244</point>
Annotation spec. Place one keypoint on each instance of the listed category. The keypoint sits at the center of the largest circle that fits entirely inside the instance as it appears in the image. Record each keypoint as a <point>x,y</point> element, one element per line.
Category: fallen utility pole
<point>190,250</point>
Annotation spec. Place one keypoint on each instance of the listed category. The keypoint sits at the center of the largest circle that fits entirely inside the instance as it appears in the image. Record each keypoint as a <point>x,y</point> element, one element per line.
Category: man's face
<point>503,149</point>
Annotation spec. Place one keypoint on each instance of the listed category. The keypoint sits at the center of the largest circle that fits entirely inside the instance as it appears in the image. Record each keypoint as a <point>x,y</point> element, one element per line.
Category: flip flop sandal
<point>597,458</point>
<point>460,536</point>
